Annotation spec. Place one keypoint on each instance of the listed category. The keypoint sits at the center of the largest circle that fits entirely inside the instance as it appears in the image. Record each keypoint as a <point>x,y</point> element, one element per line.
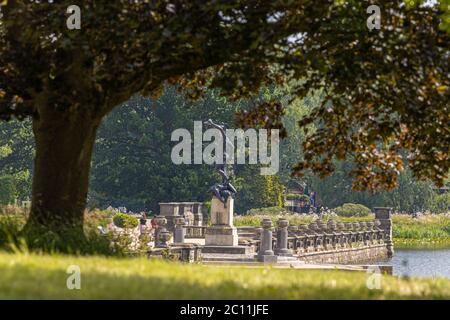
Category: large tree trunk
<point>64,143</point>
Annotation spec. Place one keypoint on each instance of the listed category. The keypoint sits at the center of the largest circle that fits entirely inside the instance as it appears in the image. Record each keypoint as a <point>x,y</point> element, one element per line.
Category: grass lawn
<point>424,231</point>
<point>44,277</point>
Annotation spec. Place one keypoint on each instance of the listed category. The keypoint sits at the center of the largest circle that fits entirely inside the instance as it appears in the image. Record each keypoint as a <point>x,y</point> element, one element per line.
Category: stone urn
<point>164,237</point>
<point>180,221</point>
<point>161,222</point>
<point>303,228</point>
<point>321,226</point>
<point>349,226</point>
<point>356,226</point>
<point>313,227</point>
<point>282,223</point>
<point>340,226</point>
<point>266,224</point>
<point>377,224</point>
<point>293,229</point>
<point>370,225</point>
<point>332,226</point>
<point>363,225</point>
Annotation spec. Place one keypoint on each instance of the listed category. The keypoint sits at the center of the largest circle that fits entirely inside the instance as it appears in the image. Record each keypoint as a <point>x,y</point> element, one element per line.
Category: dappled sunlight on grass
<point>44,277</point>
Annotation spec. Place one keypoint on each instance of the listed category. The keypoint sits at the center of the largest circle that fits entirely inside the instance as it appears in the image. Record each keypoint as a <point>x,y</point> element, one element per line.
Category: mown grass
<point>25,276</point>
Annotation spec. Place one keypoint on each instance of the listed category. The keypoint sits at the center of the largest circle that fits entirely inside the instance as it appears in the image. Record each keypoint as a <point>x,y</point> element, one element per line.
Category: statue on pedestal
<point>224,189</point>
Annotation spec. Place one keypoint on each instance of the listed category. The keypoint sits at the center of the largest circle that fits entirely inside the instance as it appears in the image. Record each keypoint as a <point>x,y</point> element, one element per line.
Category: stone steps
<point>236,258</point>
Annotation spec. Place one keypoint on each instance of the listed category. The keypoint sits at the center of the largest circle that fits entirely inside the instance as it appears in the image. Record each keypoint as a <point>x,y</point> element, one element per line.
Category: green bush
<point>352,210</point>
<point>298,197</point>
<point>439,203</point>
<point>123,220</point>
<point>7,190</point>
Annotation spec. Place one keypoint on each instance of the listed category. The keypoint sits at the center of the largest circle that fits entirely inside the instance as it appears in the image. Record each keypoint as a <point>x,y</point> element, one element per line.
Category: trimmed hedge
<point>123,220</point>
<point>352,210</point>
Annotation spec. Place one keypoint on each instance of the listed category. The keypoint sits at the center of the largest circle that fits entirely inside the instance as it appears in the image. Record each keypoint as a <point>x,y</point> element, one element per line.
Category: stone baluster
<point>293,232</point>
<point>180,231</point>
<point>356,229</point>
<point>282,238</point>
<point>378,231</point>
<point>266,253</point>
<point>161,223</point>
<point>342,237</point>
<point>312,237</point>
<point>384,216</point>
<point>350,235</point>
<point>332,226</point>
<point>362,232</point>
<point>370,225</point>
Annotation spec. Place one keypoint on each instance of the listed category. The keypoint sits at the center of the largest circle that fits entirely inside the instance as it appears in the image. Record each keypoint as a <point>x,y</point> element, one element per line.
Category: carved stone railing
<point>192,212</point>
<point>321,236</point>
<point>194,232</point>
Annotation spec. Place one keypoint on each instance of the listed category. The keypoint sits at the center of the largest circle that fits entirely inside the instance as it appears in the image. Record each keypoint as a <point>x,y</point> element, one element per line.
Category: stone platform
<point>228,249</point>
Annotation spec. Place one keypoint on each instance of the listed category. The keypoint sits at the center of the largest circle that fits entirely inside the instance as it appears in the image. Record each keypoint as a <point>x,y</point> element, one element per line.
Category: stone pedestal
<point>383,214</point>
<point>170,211</point>
<point>282,238</point>
<point>179,234</point>
<point>222,236</point>
<point>266,254</point>
<point>222,232</point>
<point>198,215</point>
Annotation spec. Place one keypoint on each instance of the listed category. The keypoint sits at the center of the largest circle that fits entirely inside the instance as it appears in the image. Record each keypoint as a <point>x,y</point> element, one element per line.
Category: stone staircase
<point>247,259</point>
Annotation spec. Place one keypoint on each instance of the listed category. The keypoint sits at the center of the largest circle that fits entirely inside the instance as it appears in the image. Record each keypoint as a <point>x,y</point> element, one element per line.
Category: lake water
<point>421,262</point>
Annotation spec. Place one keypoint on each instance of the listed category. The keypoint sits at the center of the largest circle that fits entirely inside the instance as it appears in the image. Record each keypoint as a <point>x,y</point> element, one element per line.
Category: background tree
<point>389,87</point>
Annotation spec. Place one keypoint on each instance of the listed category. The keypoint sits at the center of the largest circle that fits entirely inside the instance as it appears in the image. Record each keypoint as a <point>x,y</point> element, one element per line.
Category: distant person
<point>142,223</point>
<point>313,198</point>
<point>153,222</point>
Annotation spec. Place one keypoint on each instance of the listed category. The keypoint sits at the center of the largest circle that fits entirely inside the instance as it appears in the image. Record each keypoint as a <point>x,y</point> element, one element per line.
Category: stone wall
<point>359,255</point>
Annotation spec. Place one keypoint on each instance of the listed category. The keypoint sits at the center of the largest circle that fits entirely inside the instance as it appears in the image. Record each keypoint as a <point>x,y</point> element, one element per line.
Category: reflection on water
<point>421,263</point>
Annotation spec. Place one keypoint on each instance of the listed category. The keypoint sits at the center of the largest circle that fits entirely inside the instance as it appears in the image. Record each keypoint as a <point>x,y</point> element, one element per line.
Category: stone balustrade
<point>192,212</point>
<point>328,236</point>
<point>194,232</point>
<point>317,242</point>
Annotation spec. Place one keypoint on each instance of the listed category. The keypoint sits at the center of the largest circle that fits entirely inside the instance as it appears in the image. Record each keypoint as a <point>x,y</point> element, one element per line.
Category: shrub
<point>123,220</point>
<point>298,197</point>
<point>7,190</point>
<point>96,217</point>
<point>352,210</point>
<point>439,203</point>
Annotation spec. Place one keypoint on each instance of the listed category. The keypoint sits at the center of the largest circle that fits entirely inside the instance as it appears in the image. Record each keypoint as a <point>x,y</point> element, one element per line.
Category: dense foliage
<point>123,220</point>
<point>352,210</point>
<point>132,167</point>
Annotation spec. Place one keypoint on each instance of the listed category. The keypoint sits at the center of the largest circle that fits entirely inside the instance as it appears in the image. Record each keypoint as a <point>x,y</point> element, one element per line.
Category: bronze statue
<point>225,189</point>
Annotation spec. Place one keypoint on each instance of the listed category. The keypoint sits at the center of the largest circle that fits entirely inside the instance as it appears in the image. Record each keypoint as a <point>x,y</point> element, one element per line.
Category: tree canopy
<point>385,91</point>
